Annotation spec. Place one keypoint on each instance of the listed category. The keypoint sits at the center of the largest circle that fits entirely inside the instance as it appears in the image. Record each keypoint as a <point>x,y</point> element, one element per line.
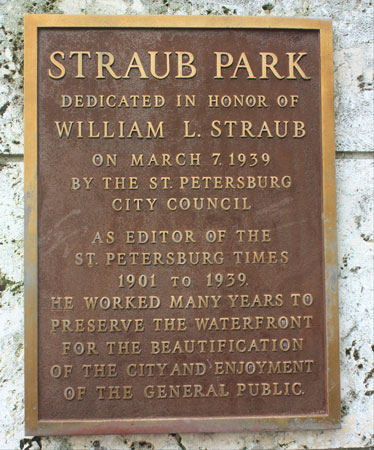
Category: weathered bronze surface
<point>180,236</point>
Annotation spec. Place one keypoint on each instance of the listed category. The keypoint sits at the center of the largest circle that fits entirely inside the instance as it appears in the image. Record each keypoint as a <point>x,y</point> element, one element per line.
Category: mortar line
<point>354,155</point>
<point>5,159</point>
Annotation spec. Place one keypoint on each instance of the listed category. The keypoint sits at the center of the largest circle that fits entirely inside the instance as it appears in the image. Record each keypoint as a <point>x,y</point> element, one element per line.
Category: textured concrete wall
<point>353,51</point>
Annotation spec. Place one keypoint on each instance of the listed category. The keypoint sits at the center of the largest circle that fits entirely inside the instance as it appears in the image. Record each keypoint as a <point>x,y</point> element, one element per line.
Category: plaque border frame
<point>34,426</point>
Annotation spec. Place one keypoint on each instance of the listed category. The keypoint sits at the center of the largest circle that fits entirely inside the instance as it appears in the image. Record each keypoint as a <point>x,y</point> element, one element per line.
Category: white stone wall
<point>353,61</point>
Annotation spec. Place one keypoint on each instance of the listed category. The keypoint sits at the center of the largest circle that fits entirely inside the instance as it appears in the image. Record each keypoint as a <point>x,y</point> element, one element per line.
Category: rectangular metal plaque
<point>180,225</point>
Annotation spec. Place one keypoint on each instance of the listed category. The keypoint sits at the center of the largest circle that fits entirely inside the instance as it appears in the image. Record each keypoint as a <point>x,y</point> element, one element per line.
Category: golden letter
<point>101,65</point>
<point>220,63</point>
<point>80,62</point>
<point>153,65</point>
<point>57,64</point>
<point>271,65</point>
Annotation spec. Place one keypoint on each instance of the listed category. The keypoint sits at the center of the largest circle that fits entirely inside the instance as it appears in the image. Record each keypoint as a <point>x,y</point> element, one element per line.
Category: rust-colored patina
<point>150,304</point>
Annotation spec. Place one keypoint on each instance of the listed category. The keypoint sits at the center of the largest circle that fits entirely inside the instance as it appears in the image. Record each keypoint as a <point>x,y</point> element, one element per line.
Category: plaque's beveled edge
<point>31,227</point>
<point>329,226</point>
<point>33,426</point>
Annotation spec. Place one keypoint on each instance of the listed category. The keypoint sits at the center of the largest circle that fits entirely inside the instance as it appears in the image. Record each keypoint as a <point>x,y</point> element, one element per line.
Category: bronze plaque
<point>180,225</point>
